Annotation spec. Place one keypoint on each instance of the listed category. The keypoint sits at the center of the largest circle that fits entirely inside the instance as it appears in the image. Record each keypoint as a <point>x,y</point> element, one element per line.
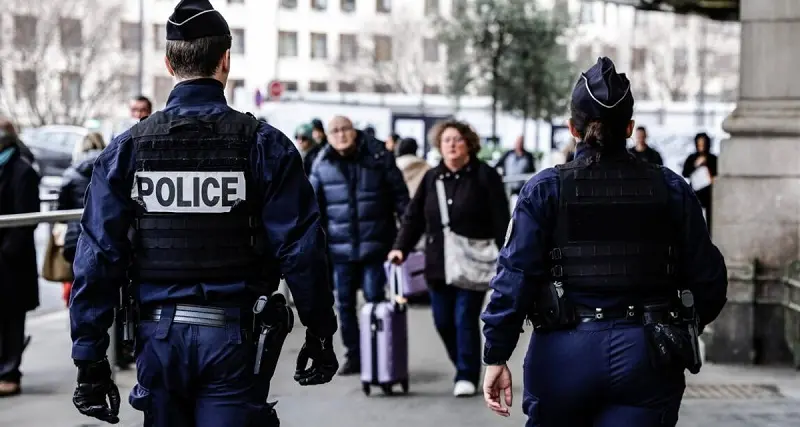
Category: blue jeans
<point>456,313</point>
<point>197,376</point>
<point>347,278</point>
<point>603,369</point>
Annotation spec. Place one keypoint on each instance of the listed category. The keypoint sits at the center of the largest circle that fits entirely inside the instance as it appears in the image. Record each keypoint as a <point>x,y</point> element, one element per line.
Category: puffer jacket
<point>360,198</point>
<point>76,180</point>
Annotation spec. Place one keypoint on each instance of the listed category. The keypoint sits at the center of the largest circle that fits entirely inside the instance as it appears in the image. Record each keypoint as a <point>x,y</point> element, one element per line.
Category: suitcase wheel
<point>404,384</point>
<point>366,388</point>
<point>387,389</point>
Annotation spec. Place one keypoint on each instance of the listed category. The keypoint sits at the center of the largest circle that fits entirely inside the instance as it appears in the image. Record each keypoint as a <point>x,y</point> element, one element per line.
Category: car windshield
<point>62,142</point>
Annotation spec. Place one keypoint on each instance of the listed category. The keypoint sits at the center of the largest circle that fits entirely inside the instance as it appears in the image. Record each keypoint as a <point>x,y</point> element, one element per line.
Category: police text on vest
<point>200,192</point>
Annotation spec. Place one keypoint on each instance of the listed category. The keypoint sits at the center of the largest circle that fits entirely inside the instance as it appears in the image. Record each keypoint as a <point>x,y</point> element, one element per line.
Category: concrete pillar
<point>757,195</point>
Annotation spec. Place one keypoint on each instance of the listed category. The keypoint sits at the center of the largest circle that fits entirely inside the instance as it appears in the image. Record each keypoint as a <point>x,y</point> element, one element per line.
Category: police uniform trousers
<point>192,375</point>
<point>598,375</point>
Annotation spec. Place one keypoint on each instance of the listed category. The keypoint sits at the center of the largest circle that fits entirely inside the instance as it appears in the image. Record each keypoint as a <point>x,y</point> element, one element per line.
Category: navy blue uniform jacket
<point>524,264</point>
<point>290,216</point>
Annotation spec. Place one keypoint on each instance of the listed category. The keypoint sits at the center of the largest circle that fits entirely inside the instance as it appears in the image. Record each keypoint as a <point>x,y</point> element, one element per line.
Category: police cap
<point>601,91</point>
<point>194,19</point>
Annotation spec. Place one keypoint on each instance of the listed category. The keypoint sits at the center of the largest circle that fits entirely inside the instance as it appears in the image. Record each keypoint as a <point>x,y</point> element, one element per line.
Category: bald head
<point>342,135</point>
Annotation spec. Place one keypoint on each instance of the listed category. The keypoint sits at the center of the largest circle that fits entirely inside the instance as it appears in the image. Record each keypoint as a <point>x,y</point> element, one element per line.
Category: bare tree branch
<point>75,58</point>
<point>668,71</point>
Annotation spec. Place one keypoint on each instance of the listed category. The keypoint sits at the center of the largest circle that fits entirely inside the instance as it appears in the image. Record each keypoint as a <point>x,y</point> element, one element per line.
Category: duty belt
<point>191,315</point>
<point>660,314</point>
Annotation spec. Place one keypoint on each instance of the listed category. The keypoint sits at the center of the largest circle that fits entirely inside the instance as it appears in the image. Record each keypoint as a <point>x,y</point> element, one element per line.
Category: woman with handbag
<point>462,208</point>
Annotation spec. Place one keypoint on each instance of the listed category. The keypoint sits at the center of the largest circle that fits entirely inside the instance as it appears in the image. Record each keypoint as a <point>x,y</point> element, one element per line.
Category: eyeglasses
<point>341,129</point>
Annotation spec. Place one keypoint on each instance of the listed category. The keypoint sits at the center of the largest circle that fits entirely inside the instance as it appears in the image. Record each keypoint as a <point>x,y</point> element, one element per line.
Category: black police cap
<point>194,19</point>
<point>601,91</point>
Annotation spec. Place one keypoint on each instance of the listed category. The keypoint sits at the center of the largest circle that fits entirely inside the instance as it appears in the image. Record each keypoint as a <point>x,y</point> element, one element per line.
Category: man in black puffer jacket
<point>361,193</point>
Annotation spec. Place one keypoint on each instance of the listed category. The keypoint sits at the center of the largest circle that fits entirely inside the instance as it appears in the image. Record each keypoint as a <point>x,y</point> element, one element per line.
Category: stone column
<point>757,195</point>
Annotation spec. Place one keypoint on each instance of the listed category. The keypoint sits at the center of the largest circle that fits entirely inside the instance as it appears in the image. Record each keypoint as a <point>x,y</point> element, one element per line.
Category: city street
<point>50,375</point>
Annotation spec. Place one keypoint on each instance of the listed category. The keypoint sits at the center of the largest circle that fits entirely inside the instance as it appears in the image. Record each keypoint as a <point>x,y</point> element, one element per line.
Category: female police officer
<point>595,255</point>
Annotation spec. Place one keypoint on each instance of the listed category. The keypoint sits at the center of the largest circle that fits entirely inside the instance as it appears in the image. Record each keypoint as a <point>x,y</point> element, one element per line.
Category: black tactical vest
<point>196,219</point>
<point>613,231</point>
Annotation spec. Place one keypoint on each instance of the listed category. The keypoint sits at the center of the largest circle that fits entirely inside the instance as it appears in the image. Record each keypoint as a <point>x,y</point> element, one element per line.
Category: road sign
<point>275,89</point>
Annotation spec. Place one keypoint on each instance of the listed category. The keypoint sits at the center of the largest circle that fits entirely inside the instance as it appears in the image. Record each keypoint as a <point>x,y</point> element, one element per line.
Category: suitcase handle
<point>394,285</point>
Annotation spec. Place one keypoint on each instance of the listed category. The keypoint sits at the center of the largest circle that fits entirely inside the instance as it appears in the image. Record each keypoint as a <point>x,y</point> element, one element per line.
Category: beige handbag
<point>55,268</point>
<point>468,263</point>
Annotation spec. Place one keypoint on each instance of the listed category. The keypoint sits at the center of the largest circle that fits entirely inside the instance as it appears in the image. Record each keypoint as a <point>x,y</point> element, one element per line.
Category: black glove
<point>323,361</point>
<point>94,386</point>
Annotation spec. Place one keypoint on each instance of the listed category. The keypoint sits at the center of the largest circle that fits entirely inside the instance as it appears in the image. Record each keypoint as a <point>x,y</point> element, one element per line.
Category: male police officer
<point>220,209</point>
<point>596,253</point>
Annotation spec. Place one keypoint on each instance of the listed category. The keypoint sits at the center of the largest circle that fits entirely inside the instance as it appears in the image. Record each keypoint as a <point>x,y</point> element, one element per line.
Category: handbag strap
<point>440,194</point>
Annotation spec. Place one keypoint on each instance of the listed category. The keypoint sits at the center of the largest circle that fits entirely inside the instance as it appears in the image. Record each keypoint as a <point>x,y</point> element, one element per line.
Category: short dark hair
<point>395,137</point>
<point>198,57</point>
<point>407,146</point>
<point>641,128</point>
<point>146,100</point>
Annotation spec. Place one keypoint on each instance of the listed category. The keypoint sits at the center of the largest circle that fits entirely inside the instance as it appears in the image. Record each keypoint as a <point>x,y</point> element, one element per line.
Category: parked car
<point>54,147</point>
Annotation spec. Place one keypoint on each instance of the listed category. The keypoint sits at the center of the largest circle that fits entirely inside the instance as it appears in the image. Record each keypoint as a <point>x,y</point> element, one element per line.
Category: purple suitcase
<point>412,273</point>
<point>384,343</point>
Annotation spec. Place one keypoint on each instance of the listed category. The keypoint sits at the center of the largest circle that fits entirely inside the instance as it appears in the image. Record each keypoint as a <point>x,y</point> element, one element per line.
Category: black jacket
<point>73,189</point>
<point>479,209</point>
<point>19,273</point>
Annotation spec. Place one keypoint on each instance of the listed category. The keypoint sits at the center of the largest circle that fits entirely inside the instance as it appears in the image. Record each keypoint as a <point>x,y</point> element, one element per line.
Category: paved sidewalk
<point>49,380</point>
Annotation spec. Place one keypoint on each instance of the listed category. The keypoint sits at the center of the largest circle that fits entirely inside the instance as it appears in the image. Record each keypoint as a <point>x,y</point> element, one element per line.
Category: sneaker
<point>350,367</point>
<point>7,388</point>
<point>464,389</point>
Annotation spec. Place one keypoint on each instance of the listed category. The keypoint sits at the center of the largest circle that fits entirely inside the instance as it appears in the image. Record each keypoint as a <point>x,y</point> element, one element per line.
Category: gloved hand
<point>323,361</point>
<point>94,386</point>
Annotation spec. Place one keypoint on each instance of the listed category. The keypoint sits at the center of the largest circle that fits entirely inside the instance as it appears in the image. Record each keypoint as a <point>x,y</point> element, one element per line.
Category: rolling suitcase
<point>384,341</point>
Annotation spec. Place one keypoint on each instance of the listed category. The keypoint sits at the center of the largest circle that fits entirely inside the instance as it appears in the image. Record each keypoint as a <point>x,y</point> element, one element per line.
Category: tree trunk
<point>525,115</point>
<point>495,92</point>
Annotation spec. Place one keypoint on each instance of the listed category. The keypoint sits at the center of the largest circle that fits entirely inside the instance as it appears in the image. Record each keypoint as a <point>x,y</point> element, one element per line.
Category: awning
<point>721,10</point>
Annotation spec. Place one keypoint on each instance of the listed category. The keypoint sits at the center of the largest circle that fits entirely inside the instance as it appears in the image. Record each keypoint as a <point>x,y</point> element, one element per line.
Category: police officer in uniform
<point>610,260</point>
<point>219,209</point>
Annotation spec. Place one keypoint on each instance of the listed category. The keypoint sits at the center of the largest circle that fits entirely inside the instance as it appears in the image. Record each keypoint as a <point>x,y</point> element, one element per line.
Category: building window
<point>681,21</point>
<point>289,86</point>
<point>129,85</point>
<point>287,44</point>
<point>348,47</point>
<point>459,8</point>
<point>587,12</point>
<point>71,32</point>
<point>162,86</point>
<point>640,18</point>
<point>584,53</point>
<point>611,52</point>
<point>347,87</point>
<point>231,89</point>
<point>237,42</point>
<point>319,4</point>
<point>561,9</point>
<point>431,7</point>
<point>70,88</point>
<point>638,58</point>
<point>25,84</point>
<point>383,48</point>
<point>25,31</point>
<point>383,6</point>
<point>129,36</point>
<point>382,88</point>
<point>318,86</point>
<point>319,46</point>
<point>430,50</point>
<point>289,4</point>
<point>431,89</point>
<point>348,5</point>
<point>160,36</point>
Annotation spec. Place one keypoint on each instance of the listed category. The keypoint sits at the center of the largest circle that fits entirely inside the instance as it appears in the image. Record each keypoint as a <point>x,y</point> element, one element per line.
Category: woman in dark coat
<point>702,157</point>
<point>19,276</point>
<point>478,208</point>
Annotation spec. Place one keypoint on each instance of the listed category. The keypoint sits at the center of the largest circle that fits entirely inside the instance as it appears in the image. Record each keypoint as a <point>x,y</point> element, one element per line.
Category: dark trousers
<point>598,375</point>
<point>198,376</point>
<point>12,344</point>
<point>456,313</point>
<point>347,278</point>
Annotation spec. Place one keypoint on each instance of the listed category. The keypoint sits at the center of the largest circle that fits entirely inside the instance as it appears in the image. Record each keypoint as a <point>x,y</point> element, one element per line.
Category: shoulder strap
<point>440,194</point>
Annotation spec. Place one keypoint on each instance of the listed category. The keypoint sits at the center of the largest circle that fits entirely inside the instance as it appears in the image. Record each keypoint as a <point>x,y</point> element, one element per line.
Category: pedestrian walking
<point>464,195</point>
<point>221,209</point>
<point>609,258</point>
